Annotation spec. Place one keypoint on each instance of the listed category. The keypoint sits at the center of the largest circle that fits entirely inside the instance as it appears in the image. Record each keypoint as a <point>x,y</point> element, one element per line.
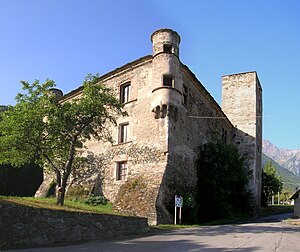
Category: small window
<point>121,171</point>
<point>224,136</point>
<point>157,112</point>
<point>123,133</point>
<point>185,94</point>
<point>168,81</point>
<point>164,111</point>
<point>167,48</point>
<point>124,92</point>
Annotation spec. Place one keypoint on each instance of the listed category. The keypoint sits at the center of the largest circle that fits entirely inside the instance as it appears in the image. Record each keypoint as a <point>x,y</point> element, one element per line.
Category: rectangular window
<point>185,94</point>
<point>168,81</point>
<point>121,171</point>
<point>167,48</point>
<point>124,92</point>
<point>123,133</point>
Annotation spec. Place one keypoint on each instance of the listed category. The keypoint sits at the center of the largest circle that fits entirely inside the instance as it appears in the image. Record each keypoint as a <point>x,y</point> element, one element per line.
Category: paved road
<point>264,235</point>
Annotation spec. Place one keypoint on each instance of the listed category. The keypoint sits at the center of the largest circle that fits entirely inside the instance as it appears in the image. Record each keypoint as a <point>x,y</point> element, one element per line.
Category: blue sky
<point>65,39</point>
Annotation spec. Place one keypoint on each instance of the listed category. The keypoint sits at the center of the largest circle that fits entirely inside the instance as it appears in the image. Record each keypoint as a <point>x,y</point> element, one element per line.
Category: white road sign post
<point>178,203</point>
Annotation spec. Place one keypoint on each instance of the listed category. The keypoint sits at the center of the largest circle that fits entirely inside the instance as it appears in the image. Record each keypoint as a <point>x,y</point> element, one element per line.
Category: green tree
<point>3,108</point>
<point>41,127</point>
<point>222,182</point>
<point>271,183</point>
<point>23,180</point>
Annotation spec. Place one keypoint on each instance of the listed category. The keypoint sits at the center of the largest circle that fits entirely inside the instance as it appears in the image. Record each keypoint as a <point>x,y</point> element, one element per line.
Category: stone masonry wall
<point>26,226</point>
<point>163,133</point>
<point>197,122</point>
<point>242,104</point>
<point>145,150</point>
<point>146,146</point>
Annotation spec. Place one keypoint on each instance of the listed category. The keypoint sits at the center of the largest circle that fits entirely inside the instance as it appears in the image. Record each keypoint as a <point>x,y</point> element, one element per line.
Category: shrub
<point>77,193</point>
<point>222,182</point>
<point>96,200</point>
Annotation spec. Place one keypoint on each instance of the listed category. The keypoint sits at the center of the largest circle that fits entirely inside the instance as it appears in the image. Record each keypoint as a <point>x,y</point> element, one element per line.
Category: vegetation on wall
<point>132,197</point>
<point>222,183</point>
<point>41,127</point>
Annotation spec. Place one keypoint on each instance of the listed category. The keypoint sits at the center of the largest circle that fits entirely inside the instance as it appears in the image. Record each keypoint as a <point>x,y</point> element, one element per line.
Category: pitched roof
<point>78,90</point>
<point>295,195</point>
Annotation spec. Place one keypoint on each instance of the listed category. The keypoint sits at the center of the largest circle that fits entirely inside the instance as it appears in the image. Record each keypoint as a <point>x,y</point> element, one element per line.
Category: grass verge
<point>168,227</point>
<point>50,203</point>
<point>276,209</point>
<point>265,211</point>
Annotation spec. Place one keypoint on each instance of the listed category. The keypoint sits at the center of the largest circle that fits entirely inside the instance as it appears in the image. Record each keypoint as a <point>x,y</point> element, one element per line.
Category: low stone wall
<point>26,226</point>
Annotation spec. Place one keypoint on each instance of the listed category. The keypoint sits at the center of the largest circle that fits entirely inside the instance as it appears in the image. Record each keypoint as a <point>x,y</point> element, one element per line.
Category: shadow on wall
<point>252,150</point>
<point>86,178</point>
<point>90,173</point>
<point>180,178</point>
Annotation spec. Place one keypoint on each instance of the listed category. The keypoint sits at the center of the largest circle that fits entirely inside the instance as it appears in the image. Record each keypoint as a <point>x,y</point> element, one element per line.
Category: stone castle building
<point>170,114</point>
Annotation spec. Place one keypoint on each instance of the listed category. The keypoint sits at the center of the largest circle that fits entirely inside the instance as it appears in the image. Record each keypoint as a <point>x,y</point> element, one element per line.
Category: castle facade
<point>171,114</point>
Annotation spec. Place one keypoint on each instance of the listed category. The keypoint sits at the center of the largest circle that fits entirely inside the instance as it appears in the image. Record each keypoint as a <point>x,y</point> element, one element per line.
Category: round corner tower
<point>166,77</point>
<point>56,92</point>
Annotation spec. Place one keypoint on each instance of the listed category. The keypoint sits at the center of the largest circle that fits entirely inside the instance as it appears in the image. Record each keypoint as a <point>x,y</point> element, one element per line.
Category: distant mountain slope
<point>293,163</point>
<point>289,159</point>
<point>290,181</point>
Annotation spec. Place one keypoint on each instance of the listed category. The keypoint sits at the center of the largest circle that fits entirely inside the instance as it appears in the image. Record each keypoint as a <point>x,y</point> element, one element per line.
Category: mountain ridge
<point>290,181</point>
<point>289,159</point>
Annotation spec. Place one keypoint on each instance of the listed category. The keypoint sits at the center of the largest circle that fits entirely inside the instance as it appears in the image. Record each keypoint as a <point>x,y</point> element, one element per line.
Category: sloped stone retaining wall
<point>26,226</point>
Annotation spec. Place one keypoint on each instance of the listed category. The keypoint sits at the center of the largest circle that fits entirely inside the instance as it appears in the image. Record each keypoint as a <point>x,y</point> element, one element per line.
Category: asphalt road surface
<point>268,234</point>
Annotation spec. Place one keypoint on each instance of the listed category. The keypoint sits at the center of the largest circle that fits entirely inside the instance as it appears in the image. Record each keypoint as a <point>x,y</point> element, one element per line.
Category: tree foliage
<point>271,183</point>
<point>3,108</point>
<point>40,127</point>
<point>222,182</point>
<point>19,181</point>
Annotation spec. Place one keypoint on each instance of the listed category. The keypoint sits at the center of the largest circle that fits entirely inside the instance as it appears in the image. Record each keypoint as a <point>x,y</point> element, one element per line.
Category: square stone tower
<point>242,104</point>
